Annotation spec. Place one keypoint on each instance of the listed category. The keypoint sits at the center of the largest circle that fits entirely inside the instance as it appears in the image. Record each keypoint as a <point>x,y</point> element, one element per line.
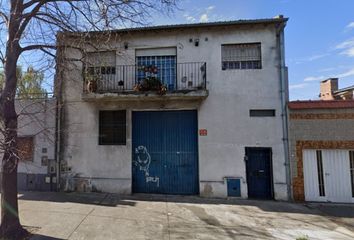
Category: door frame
<point>247,149</point>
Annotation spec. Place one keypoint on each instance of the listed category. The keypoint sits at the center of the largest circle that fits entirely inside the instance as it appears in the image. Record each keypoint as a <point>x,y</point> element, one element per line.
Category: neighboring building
<point>321,139</point>
<point>216,127</point>
<point>36,143</point>
<point>329,90</point>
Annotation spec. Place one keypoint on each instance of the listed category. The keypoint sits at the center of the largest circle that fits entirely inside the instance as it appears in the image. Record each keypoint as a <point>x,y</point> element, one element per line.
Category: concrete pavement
<point>108,216</point>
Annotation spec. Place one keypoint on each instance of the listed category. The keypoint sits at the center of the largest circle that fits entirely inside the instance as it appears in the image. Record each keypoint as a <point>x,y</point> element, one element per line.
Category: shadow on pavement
<point>42,237</point>
<point>335,210</point>
<point>101,199</point>
<point>113,200</point>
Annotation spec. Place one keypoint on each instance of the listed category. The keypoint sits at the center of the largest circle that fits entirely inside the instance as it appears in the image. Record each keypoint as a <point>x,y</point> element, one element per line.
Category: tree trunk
<point>10,223</point>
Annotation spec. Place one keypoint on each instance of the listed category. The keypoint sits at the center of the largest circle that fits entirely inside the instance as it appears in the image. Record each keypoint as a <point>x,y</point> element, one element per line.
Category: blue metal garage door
<point>165,152</point>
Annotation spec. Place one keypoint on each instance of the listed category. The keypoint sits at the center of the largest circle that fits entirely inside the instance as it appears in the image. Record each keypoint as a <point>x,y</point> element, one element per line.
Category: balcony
<point>133,82</point>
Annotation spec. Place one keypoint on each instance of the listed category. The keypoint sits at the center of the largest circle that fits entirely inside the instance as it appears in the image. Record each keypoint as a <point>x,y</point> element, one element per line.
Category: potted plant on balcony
<point>150,82</point>
<point>91,83</point>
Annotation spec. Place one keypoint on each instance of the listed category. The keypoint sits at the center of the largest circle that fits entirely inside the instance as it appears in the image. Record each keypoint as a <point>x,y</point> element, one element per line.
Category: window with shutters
<point>112,127</point>
<point>241,56</point>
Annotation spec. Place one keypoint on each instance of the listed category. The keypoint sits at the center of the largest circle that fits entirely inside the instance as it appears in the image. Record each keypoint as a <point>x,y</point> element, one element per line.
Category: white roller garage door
<point>328,175</point>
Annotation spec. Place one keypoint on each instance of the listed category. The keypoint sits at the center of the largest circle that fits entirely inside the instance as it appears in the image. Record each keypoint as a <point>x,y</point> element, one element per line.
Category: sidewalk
<point>109,216</point>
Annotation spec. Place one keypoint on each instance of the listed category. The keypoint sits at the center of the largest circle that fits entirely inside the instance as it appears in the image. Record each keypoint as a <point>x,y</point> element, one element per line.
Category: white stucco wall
<point>36,118</point>
<point>224,113</point>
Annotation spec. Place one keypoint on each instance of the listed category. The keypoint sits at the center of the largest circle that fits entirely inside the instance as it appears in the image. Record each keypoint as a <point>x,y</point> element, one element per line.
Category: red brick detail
<point>310,116</point>
<point>298,181</point>
<point>321,104</point>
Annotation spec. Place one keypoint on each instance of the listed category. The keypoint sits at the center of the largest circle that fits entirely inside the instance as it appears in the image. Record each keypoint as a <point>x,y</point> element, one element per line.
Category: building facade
<point>196,109</point>
<point>322,150</point>
<point>36,144</point>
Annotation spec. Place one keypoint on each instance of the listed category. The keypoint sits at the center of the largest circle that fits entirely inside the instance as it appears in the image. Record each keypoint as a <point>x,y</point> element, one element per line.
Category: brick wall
<point>316,129</point>
<point>327,87</point>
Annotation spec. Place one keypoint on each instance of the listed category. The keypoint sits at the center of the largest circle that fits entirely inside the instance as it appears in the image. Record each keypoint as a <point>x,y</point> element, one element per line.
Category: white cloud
<point>297,86</point>
<point>204,18</point>
<point>330,69</point>
<point>311,58</point>
<point>310,79</point>
<point>347,47</point>
<point>210,8</point>
<point>203,15</point>
<point>316,57</point>
<point>348,73</point>
<point>189,18</point>
<point>350,25</point>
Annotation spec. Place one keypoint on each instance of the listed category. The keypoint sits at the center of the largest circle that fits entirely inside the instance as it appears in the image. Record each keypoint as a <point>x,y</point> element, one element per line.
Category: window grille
<point>241,56</point>
<point>112,127</point>
<point>165,69</point>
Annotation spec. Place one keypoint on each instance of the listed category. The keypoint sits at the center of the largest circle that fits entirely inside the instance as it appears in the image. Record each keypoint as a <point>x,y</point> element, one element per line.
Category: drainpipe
<point>284,99</point>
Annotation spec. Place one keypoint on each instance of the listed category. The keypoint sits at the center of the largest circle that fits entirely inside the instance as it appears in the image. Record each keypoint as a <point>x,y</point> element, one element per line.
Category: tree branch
<point>27,17</point>
<point>37,47</point>
<point>4,17</point>
<point>47,52</point>
<point>31,3</point>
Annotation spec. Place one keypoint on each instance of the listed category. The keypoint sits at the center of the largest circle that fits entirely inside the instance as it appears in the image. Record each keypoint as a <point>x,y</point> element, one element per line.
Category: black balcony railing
<point>128,78</point>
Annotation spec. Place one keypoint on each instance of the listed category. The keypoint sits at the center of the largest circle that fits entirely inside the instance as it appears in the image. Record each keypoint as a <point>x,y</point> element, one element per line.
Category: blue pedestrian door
<point>165,152</point>
<point>259,172</point>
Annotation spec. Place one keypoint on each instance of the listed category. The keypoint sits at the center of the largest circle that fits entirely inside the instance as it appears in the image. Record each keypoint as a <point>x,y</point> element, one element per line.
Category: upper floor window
<point>241,56</point>
<point>158,63</point>
<point>101,63</point>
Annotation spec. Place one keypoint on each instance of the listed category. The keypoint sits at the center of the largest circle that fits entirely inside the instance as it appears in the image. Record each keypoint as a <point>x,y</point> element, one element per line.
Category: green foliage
<point>29,83</point>
<point>151,83</point>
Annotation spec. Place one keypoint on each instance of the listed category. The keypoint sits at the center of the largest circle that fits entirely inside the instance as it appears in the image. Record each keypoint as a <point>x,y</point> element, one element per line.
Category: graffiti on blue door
<point>143,160</point>
<point>165,152</point>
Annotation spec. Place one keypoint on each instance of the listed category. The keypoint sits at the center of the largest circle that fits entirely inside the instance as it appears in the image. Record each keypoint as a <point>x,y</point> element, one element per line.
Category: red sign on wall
<point>203,132</point>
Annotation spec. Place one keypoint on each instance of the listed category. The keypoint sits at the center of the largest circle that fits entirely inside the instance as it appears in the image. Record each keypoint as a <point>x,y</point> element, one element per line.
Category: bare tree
<point>32,25</point>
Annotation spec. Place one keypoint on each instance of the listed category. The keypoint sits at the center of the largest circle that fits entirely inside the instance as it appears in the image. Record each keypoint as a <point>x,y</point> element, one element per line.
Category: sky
<point>319,35</point>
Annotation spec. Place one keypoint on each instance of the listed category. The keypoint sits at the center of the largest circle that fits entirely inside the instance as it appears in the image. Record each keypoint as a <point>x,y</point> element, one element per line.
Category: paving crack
<point>80,223</point>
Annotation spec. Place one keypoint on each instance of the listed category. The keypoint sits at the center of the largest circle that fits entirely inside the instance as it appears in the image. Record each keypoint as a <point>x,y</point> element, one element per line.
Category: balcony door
<point>159,63</point>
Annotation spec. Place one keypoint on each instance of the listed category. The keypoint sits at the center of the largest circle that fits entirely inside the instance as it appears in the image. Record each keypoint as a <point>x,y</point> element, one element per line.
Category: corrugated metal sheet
<point>165,152</point>
<point>336,169</point>
<point>311,176</point>
<point>275,20</point>
<point>337,175</point>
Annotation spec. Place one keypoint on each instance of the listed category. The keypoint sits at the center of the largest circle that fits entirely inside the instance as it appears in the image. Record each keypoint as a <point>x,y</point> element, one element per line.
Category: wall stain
<point>207,191</point>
